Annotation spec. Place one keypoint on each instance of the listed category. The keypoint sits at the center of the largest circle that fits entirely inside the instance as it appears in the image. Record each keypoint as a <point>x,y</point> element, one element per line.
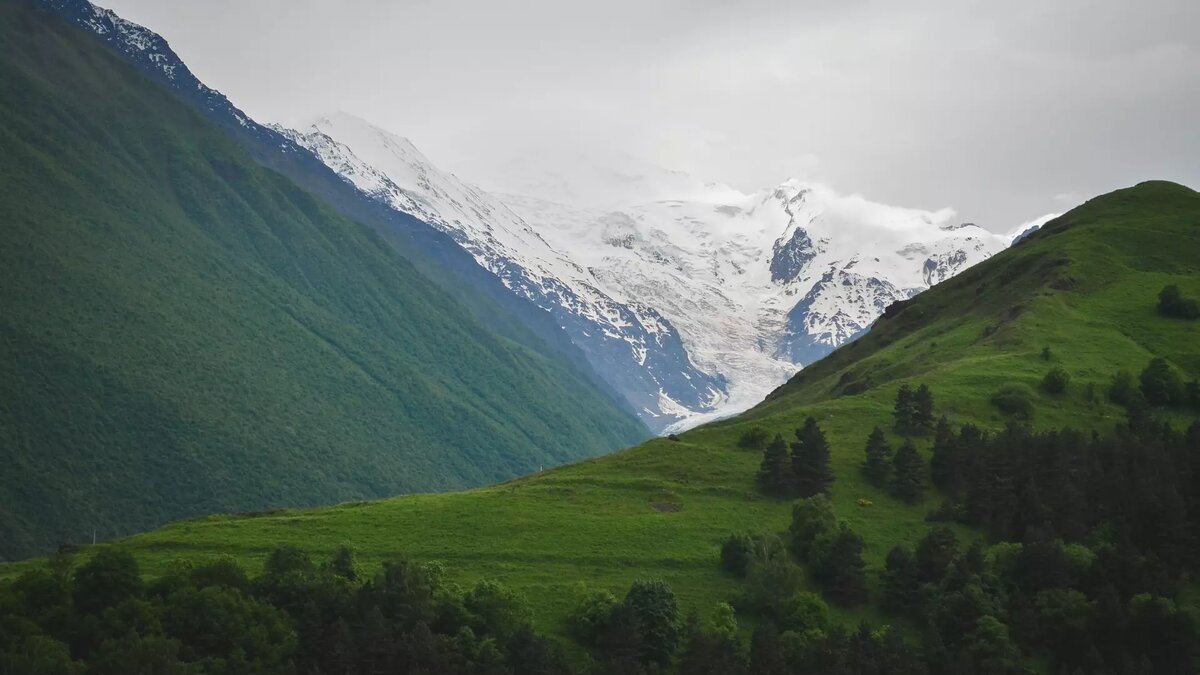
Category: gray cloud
<point>1000,110</point>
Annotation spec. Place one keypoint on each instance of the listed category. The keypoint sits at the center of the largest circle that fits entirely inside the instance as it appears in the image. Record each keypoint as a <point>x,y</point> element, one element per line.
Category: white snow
<point>700,255</point>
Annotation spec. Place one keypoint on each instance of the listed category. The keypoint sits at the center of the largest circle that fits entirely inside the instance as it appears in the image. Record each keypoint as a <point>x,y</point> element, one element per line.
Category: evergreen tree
<point>810,460</point>
<point>877,467</point>
<point>837,564</point>
<point>775,472</point>
<point>900,586</point>
<point>946,462</point>
<point>935,552</point>
<point>922,420</point>
<point>736,554</point>
<point>906,409</point>
<point>907,470</point>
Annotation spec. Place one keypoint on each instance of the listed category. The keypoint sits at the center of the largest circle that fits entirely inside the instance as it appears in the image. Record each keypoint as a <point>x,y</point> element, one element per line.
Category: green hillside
<point>1086,287</point>
<point>184,332</point>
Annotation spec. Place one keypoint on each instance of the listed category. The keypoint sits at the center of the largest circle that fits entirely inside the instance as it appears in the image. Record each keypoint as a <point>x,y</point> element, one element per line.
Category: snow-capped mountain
<point>694,304</point>
<point>629,342</point>
<point>692,300</point>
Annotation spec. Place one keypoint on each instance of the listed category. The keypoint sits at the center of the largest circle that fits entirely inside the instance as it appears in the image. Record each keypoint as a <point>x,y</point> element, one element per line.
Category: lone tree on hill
<point>1172,303</point>
<point>907,467</point>
<point>810,460</point>
<point>775,472</point>
<point>878,465</point>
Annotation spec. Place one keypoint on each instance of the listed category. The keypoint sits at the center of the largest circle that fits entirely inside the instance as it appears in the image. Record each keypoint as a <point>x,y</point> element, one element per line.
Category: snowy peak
<point>629,342</point>
<point>693,300</point>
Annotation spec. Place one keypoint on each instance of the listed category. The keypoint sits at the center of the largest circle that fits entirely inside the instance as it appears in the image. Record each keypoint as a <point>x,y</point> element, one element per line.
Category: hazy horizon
<point>1000,112</point>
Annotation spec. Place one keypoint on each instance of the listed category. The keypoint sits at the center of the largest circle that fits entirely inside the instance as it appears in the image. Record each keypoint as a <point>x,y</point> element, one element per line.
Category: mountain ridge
<point>187,331</point>
<point>433,252</point>
<point>668,297</point>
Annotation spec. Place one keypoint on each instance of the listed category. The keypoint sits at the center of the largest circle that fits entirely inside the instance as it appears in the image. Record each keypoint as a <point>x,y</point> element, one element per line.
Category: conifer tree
<point>877,467</point>
<point>906,409</point>
<point>946,462</point>
<point>810,460</point>
<point>775,473</point>
<point>837,564</point>
<point>900,587</point>
<point>907,467</point>
<point>922,421</point>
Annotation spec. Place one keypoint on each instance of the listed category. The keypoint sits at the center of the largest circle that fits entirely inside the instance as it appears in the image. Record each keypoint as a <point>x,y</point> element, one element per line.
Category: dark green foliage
<point>1015,400</point>
<point>711,652</point>
<point>110,577</point>
<point>772,580</point>
<point>1161,384</point>
<point>1172,303</point>
<point>905,412</point>
<point>810,461</point>
<point>947,461</point>
<point>1193,394</point>
<point>811,518</point>
<point>775,472</point>
<point>900,583</point>
<point>935,552</point>
<point>653,607</point>
<point>922,421</point>
<point>186,332</point>
<point>754,439</point>
<point>877,467</point>
<point>297,617</point>
<point>1123,388</point>
<point>1047,354</point>
<point>837,565</point>
<point>736,554</point>
<point>1056,380</point>
<point>908,473</point>
<point>914,410</point>
<point>589,621</point>
<point>38,654</point>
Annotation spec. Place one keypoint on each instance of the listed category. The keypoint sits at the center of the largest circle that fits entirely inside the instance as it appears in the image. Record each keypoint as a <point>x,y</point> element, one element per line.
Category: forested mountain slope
<point>184,331</point>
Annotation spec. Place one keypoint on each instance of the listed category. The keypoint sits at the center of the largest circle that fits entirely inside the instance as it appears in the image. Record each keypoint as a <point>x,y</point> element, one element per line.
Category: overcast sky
<point>1000,110</point>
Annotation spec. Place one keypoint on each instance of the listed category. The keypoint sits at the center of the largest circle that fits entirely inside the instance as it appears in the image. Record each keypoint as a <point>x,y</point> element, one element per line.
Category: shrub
<point>755,439</point>
<point>1161,385</point>
<point>1056,380</point>
<point>1171,303</point>
<point>1015,400</point>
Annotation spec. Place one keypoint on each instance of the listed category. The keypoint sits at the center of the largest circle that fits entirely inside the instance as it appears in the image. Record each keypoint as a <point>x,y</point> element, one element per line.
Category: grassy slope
<point>597,521</point>
<point>184,332</point>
